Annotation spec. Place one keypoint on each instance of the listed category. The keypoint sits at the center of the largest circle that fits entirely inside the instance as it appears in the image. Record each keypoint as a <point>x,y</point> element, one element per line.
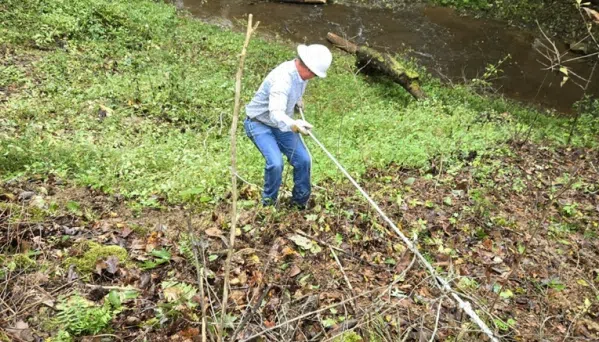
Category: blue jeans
<point>271,142</point>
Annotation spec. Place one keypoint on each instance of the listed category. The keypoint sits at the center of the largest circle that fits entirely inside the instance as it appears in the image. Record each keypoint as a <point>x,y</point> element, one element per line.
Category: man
<point>271,127</point>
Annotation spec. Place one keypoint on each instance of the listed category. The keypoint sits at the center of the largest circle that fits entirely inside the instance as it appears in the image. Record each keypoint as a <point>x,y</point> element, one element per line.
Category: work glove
<point>300,104</point>
<point>301,126</point>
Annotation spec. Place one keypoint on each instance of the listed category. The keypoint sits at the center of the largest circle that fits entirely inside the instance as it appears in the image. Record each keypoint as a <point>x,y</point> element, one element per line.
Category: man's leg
<point>262,136</point>
<point>297,154</point>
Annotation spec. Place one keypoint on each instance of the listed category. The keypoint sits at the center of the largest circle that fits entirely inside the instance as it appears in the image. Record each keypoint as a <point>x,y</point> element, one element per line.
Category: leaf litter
<point>475,224</point>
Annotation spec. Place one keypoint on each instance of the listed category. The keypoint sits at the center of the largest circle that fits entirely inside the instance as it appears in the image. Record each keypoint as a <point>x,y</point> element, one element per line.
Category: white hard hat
<point>316,57</point>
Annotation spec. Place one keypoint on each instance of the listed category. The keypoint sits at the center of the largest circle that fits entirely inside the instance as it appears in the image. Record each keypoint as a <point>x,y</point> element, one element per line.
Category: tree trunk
<point>369,59</point>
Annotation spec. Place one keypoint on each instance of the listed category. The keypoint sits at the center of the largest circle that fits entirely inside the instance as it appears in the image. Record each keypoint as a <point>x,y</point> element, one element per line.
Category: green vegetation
<point>135,98</point>
<point>129,97</point>
<point>93,253</point>
<point>77,316</point>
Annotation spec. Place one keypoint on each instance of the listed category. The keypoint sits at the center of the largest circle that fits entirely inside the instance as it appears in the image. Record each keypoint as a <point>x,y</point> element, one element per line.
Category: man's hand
<point>300,104</point>
<point>301,126</point>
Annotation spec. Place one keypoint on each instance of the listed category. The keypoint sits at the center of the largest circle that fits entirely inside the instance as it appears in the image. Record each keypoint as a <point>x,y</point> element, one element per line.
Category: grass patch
<point>130,97</point>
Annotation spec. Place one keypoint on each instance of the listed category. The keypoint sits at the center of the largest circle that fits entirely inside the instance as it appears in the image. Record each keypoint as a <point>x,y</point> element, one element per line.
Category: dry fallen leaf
<point>594,15</point>
<point>152,242</point>
<point>126,232</point>
<point>294,270</point>
<point>214,232</point>
<point>172,293</point>
<point>112,264</point>
<point>100,266</point>
<point>21,330</point>
<point>238,297</point>
<point>137,244</point>
<point>288,251</point>
<point>488,244</point>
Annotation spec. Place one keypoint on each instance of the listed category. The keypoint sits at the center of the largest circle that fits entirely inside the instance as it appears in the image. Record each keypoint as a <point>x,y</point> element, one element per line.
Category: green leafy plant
<point>492,72</point>
<point>159,257</point>
<point>505,325</point>
<point>570,209</point>
<point>77,316</point>
<point>178,300</point>
<point>467,283</point>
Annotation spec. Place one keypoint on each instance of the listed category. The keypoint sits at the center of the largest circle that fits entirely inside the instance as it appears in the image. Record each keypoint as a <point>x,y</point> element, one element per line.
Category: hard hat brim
<point>302,51</point>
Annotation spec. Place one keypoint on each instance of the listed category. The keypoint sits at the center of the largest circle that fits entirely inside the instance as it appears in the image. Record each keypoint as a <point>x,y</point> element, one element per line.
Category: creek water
<point>450,46</point>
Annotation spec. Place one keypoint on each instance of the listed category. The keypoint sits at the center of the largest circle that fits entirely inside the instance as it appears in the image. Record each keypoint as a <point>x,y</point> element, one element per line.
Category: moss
<point>349,336</point>
<point>4,337</point>
<point>94,252</point>
<point>61,336</point>
<point>388,60</point>
<point>23,262</point>
<point>37,215</point>
<point>19,213</point>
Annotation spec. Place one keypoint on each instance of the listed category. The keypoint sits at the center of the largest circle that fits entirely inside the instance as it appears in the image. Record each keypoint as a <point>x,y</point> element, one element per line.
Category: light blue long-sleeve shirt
<point>274,102</point>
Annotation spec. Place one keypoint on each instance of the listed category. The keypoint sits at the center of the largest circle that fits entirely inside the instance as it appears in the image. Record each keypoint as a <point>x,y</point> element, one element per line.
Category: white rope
<point>442,283</point>
<point>302,138</point>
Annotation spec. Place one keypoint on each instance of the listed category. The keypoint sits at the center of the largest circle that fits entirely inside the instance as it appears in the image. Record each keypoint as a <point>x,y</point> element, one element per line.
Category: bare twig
<point>250,311</point>
<point>106,335</point>
<point>437,319</point>
<point>200,275</point>
<point>554,47</point>
<point>15,337</point>
<point>119,288</point>
<point>31,306</point>
<point>587,26</point>
<point>8,306</point>
<point>581,57</point>
<point>351,289</point>
<point>309,314</point>
<point>398,278</point>
<point>342,270</point>
<point>250,30</point>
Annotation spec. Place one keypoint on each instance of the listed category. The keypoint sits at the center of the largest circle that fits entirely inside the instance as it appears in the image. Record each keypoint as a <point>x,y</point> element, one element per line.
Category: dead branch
<point>249,312</point>
<point>372,60</point>
<point>351,289</point>
<point>342,270</point>
<point>437,319</point>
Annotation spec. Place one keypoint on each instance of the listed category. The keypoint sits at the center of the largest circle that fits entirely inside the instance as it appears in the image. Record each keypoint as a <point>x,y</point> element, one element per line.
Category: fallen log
<point>369,59</point>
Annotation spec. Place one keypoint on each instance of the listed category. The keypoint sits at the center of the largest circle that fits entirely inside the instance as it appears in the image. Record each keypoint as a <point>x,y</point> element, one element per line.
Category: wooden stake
<point>248,35</point>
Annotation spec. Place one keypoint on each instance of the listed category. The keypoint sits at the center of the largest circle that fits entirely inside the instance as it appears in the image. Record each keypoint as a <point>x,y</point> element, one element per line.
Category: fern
<point>79,316</point>
<point>185,248</point>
